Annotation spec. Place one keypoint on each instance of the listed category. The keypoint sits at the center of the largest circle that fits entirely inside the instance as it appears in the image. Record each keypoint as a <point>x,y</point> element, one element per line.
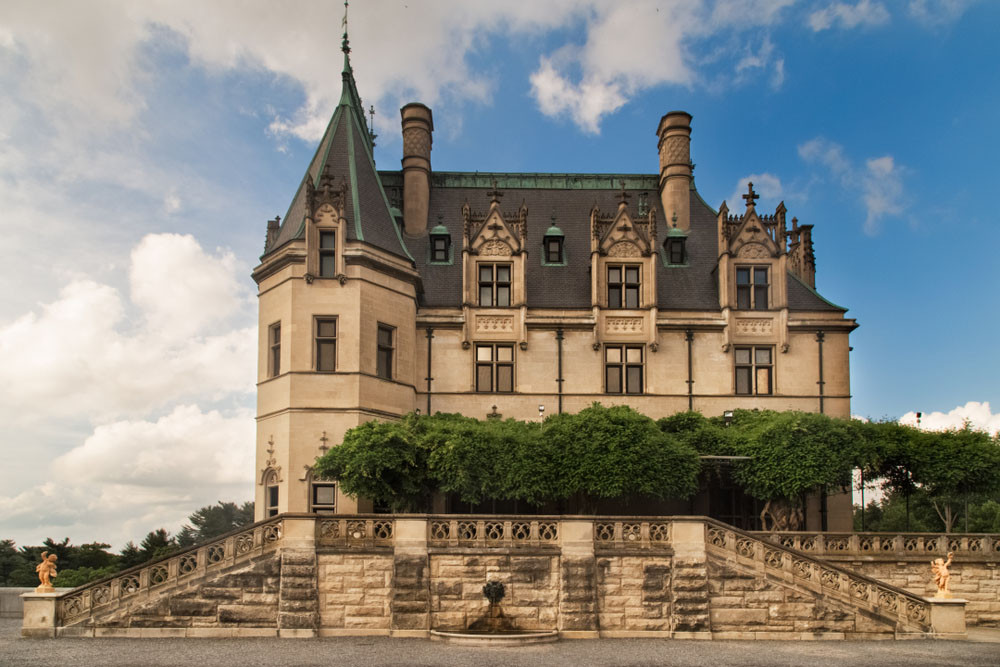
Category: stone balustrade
<point>904,545</point>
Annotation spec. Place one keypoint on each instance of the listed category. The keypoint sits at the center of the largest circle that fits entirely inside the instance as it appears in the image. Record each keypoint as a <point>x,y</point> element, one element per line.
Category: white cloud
<point>879,182</point>
<point>762,60</point>
<point>978,415</point>
<point>83,355</point>
<point>767,185</point>
<point>131,476</point>
<point>934,13</point>
<point>864,13</point>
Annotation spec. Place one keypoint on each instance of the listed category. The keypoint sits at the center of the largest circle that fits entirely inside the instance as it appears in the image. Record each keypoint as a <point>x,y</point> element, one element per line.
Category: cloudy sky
<point>143,145</point>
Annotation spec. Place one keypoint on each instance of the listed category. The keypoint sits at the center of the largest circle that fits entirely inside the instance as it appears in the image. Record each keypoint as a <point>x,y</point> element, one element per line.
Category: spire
<point>345,44</point>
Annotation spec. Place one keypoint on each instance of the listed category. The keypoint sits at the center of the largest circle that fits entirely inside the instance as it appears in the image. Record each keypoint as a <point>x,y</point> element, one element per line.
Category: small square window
<point>623,285</point>
<point>756,377</point>
<point>386,349</point>
<point>752,287</point>
<point>324,497</point>
<point>494,285</point>
<point>495,367</point>
<point>326,344</point>
<point>440,246</point>
<point>623,369</point>
<point>676,251</point>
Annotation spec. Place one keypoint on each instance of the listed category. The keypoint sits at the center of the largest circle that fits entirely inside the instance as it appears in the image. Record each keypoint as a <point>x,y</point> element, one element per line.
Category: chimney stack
<point>674,135</point>
<point>418,124</point>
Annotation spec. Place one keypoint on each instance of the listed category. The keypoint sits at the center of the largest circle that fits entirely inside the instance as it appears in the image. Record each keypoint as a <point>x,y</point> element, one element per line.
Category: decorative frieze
<point>754,326</point>
<point>495,248</point>
<point>624,249</point>
<point>623,325</point>
<point>754,251</point>
<point>494,323</point>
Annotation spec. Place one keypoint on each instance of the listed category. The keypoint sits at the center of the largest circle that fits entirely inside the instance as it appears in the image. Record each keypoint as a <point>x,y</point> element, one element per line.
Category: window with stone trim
<point>274,349</point>
<point>494,284</point>
<point>752,287</point>
<point>754,370</point>
<point>624,281</point>
<point>440,248</point>
<point>326,343</point>
<point>553,250</point>
<point>386,339</point>
<point>327,254</point>
<point>495,367</point>
<point>676,253</point>
<point>323,497</point>
<point>271,494</point>
<point>623,369</point>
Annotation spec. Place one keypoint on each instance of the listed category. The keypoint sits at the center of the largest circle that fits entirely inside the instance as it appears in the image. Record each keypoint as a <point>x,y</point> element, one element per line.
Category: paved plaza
<point>387,651</point>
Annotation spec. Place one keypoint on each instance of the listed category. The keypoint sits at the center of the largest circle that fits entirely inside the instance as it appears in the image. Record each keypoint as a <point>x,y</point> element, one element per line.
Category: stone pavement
<point>366,651</point>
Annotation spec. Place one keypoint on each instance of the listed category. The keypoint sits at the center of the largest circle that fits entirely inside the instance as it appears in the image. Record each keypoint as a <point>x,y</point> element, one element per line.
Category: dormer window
<point>553,250</point>
<point>676,252</point>
<point>328,254</point>
<point>440,245</point>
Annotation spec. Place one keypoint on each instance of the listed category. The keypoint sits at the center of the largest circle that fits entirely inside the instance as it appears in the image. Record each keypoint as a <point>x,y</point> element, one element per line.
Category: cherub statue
<point>941,576</point>
<point>47,570</point>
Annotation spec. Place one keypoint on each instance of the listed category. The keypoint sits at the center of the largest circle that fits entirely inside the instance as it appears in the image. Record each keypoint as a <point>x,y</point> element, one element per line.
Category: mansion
<point>524,295</point>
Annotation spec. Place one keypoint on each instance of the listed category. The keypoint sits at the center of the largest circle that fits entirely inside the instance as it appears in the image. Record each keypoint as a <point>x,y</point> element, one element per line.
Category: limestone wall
<point>354,591</point>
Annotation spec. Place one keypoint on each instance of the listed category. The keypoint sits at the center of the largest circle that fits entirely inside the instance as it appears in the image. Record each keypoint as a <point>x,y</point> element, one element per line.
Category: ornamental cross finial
<point>750,196</point>
<point>324,440</point>
<point>495,193</point>
<point>623,195</point>
<point>345,45</point>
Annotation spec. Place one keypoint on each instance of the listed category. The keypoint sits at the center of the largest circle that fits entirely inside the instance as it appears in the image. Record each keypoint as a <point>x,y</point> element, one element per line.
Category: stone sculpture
<point>941,575</point>
<point>46,572</point>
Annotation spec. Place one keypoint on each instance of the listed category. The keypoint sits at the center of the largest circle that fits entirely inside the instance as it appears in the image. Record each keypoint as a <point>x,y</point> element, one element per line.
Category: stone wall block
<point>248,614</point>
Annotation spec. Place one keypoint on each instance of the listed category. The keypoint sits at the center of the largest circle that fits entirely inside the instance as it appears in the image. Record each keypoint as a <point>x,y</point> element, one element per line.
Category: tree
<point>792,454</point>
<point>380,461</point>
<point>157,544</point>
<point>130,555</point>
<point>214,520</point>
<point>10,561</point>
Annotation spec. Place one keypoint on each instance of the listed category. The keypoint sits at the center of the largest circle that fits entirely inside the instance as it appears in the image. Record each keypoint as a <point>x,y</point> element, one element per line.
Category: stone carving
<point>624,249</point>
<point>46,572</point>
<point>754,326</point>
<point>619,325</point>
<point>495,248</point>
<point>494,323</point>
<point>676,150</point>
<point>941,575</point>
<point>416,141</point>
<point>754,251</point>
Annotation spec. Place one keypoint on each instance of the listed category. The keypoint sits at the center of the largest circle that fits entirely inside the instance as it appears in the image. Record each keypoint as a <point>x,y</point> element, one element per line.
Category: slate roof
<point>347,151</point>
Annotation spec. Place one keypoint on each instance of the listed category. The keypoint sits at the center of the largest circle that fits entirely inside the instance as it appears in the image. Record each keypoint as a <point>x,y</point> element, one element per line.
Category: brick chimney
<point>418,125</point>
<point>674,135</point>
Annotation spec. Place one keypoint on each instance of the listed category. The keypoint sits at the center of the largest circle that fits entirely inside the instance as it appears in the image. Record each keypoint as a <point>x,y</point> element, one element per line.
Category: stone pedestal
<point>39,614</point>
<point>948,617</point>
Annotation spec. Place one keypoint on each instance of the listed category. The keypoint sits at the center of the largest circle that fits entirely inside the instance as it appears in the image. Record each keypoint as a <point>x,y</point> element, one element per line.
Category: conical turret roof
<point>346,153</point>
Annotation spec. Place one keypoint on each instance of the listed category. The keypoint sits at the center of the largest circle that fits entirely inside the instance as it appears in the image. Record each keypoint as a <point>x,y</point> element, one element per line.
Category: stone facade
<point>489,318</point>
<point>665,577</point>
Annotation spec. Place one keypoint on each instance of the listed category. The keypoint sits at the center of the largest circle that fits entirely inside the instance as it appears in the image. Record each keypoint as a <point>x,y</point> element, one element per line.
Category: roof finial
<point>495,194</point>
<point>750,196</point>
<point>345,45</point>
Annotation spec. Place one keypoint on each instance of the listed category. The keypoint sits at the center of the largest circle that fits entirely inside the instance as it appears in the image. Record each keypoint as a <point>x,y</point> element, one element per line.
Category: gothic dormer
<point>622,235</point>
<point>623,246</point>
<point>495,243</point>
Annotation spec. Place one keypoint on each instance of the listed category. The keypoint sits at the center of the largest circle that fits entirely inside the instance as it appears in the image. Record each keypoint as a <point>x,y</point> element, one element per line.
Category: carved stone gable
<point>495,248</point>
<point>491,234</point>
<point>622,236</point>
<point>624,249</point>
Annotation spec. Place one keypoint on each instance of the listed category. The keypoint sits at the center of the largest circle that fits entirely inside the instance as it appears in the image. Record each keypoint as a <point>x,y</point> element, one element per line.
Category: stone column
<point>689,583</point>
<point>578,580</point>
<point>947,618</point>
<point>411,590</point>
<point>39,615</point>
<point>298,594</point>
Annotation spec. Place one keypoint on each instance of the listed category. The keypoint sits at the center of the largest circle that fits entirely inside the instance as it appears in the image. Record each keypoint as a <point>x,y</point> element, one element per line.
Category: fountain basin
<point>473,638</point>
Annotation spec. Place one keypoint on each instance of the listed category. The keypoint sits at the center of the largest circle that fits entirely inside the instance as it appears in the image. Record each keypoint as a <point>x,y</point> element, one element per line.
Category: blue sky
<point>143,146</point>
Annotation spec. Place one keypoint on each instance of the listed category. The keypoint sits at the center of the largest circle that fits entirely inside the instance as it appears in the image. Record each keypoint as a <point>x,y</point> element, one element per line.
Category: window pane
<point>505,353</point>
<point>762,355</point>
<point>324,494</point>
<point>485,295</point>
<point>276,334</point>
<point>633,355</point>
<point>272,496</point>
<point>327,265</point>
<point>632,274</point>
<point>613,379</point>
<point>485,273</point>
<point>614,274</point>
<point>385,336</point>
<point>742,276</point>
<point>760,276</point>
<point>505,377</point>
<point>384,363</point>
<point>634,379</point>
<point>743,380</point>
<point>326,355</point>
<point>764,380</point>
<point>328,240</point>
<point>743,355</point>
<point>760,297</point>
<point>503,273</point>
<point>613,354</point>
<point>484,353</point>
<point>614,296</point>
<point>326,328</point>
<point>276,361</point>
<point>742,297</point>
<point>484,377</point>
<point>503,295</point>
<point>632,297</point>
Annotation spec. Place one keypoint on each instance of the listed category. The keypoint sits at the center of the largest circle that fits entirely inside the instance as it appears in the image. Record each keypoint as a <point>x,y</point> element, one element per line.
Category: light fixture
<point>728,417</point>
<point>541,410</point>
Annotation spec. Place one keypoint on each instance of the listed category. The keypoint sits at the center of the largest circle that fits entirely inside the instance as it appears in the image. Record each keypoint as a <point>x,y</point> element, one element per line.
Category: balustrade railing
<point>106,594</point>
<point>493,531</point>
<point>789,557</point>
<point>627,534</point>
<point>901,544</point>
<point>355,531</point>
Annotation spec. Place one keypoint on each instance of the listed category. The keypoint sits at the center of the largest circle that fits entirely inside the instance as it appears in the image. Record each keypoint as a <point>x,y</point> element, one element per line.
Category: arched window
<point>271,494</point>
